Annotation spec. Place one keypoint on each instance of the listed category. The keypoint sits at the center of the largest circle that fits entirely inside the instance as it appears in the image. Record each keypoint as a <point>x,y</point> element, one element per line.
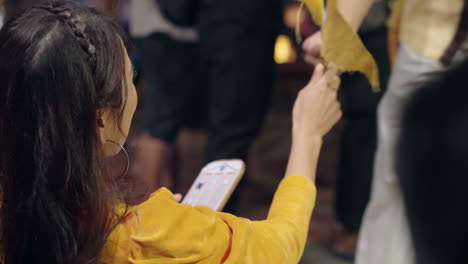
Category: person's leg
<point>167,68</point>
<point>237,38</point>
<point>241,84</point>
<point>359,143</point>
<point>384,234</point>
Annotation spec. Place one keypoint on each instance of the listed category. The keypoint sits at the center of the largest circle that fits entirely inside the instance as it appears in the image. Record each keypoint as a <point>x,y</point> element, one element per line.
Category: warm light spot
<point>284,50</point>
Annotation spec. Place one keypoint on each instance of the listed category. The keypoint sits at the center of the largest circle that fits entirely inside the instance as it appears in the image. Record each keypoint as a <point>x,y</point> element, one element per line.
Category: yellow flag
<point>316,10</point>
<point>343,47</point>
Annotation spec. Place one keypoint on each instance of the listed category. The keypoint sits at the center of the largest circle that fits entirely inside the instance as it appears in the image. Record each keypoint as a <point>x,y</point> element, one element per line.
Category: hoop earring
<point>127,166</point>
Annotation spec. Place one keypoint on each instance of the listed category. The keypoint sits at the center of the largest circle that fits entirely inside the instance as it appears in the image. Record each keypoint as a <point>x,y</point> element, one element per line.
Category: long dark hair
<point>432,166</point>
<point>59,64</point>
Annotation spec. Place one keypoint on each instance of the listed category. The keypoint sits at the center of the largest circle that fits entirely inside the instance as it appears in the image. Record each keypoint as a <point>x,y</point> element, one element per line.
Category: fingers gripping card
<point>215,184</point>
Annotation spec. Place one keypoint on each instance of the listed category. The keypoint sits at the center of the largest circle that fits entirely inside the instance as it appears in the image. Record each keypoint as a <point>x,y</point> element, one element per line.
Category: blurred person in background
<point>360,134</point>
<point>431,163</point>
<point>235,41</point>
<point>433,37</point>
<point>170,63</point>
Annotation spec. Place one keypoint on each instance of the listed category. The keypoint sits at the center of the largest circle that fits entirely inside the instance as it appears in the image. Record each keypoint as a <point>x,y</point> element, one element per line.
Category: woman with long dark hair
<point>61,95</point>
<point>66,103</point>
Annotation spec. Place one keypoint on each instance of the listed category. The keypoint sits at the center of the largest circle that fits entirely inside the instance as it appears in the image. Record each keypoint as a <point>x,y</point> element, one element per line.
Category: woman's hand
<point>178,197</point>
<point>315,112</point>
<point>312,47</point>
<point>317,109</point>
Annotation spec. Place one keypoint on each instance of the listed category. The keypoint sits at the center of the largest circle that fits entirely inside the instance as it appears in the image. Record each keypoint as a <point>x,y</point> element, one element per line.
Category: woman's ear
<point>108,131</point>
<point>101,125</point>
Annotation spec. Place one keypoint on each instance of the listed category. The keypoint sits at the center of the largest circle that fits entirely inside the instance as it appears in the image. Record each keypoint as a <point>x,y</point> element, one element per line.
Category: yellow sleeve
<point>316,10</point>
<point>162,231</point>
<point>282,237</point>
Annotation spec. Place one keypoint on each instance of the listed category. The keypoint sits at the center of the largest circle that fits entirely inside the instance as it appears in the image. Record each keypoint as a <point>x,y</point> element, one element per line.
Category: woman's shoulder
<point>161,228</point>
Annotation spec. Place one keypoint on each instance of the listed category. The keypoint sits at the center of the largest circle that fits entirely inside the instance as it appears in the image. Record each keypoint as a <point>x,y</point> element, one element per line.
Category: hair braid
<point>77,27</point>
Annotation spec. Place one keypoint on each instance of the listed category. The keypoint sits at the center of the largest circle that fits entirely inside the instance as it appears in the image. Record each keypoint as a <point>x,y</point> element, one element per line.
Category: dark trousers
<point>235,56</point>
<point>360,136</point>
<point>237,40</point>
<point>172,73</point>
